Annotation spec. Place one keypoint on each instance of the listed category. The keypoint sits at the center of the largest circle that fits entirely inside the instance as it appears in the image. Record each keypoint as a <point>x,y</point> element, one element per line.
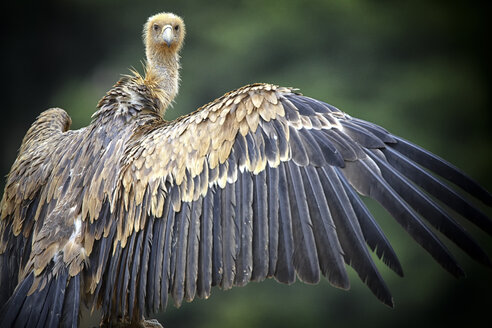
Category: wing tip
<point>457,271</point>
<point>487,198</point>
<point>381,291</point>
<point>397,268</point>
<point>389,302</point>
<point>340,281</point>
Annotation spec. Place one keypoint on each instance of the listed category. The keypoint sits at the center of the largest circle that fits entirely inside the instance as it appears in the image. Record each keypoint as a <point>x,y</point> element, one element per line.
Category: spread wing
<point>265,182</point>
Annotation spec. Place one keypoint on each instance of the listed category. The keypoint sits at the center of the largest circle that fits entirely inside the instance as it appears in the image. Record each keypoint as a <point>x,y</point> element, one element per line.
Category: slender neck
<point>162,74</point>
<point>161,83</point>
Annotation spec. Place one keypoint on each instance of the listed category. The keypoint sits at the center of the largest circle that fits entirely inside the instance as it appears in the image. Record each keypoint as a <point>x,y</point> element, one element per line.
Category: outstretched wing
<point>265,182</point>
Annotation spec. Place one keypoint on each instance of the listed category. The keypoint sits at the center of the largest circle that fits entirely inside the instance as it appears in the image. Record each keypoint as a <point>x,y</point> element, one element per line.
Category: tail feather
<point>54,304</point>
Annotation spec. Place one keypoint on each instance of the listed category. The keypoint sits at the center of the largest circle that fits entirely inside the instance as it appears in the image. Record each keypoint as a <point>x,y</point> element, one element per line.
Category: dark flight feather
<point>312,148</point>
<point>110,278</point>
<point>244,261</point>
<point>330,252</point>
<point>328,150</point>
<point>127,265</point>
<point>367,181</point>
<point>204,273</point>
<point>121,283</point>
<point>349,150</point>
<point>378,131</point>
<point>70,314</point>
<point>285,267</point>
<point>362,136</point>
<point>297,148</point>
<point>373,234</point>
<point>305,257</point>
<point>155,261</point>
<point>217,258</point>
<point>135,270</point>
<point>39,300</point>
<point>183,224</point>
<point>350,235</point>
<point>229,236</point>
<point>438,189</point>
<point>145,264</point>
<point>165,271</point>
<point>443,168</point>
<point>192,251</point>
<point>430,211</point>
<point>260,228</point>
<point>273,218</point>
<point>10,311</point>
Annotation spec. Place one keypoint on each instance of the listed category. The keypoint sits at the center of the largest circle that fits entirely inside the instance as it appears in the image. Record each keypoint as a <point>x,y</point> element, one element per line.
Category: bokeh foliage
<point>418,68</point>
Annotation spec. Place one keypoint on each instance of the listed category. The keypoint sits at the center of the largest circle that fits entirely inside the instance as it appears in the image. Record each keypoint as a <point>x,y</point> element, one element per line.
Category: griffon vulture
<point>261,182</point>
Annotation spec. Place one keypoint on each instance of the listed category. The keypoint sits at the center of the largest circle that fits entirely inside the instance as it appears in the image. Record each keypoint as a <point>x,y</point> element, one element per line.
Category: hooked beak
<point>167,35</point>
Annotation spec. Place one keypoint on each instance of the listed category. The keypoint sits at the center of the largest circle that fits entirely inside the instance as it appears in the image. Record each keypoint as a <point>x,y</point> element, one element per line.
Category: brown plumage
<point>259,183</point>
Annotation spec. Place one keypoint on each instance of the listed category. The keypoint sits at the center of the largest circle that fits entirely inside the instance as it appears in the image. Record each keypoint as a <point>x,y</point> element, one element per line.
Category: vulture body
<point>262,182</point>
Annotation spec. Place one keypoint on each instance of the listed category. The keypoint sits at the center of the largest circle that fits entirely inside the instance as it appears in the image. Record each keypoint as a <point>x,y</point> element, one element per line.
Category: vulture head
<point>163,34</point>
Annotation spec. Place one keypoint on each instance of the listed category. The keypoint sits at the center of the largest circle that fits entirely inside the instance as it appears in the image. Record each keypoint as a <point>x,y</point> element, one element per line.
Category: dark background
<point>419,68</point>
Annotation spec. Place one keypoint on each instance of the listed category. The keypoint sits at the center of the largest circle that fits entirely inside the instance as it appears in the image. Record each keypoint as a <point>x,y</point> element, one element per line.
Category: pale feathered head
<point>163,34</point>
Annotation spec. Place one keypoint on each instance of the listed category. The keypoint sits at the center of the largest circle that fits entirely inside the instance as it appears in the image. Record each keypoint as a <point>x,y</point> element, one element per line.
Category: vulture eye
<point>176,28</point>
<point>156,27</point>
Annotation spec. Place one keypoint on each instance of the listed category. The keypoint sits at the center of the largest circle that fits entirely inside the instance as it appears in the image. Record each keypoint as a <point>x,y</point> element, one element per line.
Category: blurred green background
<point>419,68</point>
